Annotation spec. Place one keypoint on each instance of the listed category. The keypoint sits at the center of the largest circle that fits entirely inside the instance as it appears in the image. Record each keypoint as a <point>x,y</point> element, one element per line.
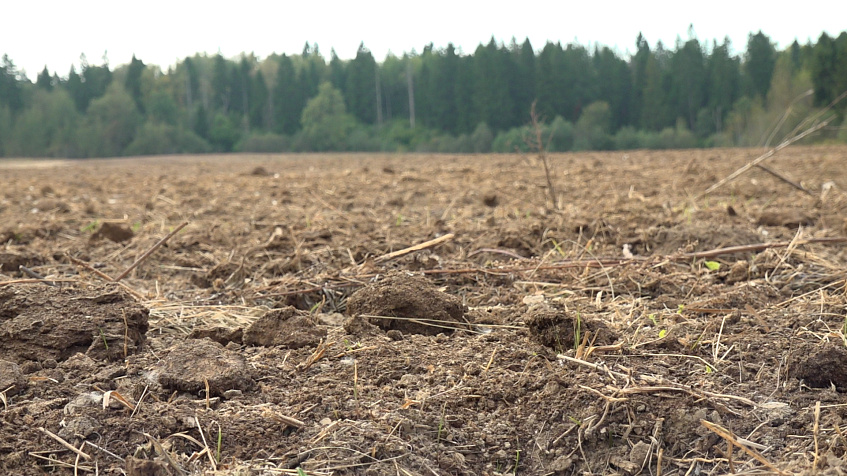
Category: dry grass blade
<point>319,352</point>
<point>162,451</point>
<point>206,445</point>
<point>815,430</point>
<point>426,322</point>
<point>63,442</point>
<point>60,464</point>
<point>764,157</point>
<point>662,384</point>
<point>411,249</point>
<point>732,441</point>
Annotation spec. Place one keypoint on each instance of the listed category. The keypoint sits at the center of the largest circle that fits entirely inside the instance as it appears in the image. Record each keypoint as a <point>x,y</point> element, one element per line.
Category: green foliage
<point>111,124</point>
<point>223,133</point>
<point>482,138</point>
<point>161,107</point>
<point>325,121</point>
<point>441,100</point>
<point>592,128</point>
<point>45,128</point>
<point>759,63</point>
<point>264,142</point>
<point>155,138</point>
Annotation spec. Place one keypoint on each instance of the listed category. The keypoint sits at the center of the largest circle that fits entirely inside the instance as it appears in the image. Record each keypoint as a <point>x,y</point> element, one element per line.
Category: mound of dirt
<point>46,322</point>
<point>823,367</point>
<point>189,365</point>
<point>287,327</point>
<point>423,309</point>
<point>558,330</point>
<point>113,232</point>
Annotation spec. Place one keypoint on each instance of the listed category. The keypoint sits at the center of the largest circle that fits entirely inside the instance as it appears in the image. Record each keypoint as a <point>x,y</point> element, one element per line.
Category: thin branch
<point>150,251</point>
<point>418,247</point>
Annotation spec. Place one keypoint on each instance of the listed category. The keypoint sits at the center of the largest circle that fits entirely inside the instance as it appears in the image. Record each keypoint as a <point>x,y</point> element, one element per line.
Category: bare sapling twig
<point>537,144</point>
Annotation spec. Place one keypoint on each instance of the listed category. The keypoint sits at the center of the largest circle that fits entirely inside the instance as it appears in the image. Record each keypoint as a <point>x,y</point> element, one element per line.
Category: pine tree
<point>287,97</point>
<point>133,81</point>
<point>360,88</point>
<point>759,62</point>
<point>44,80</point>
<point>688,75</point>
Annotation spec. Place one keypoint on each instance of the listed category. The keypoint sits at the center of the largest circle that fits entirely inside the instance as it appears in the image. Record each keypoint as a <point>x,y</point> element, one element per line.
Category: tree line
<point>696,94</point>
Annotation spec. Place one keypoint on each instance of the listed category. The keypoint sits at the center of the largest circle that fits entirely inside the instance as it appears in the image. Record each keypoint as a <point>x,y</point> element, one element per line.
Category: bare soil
<point>280,331</point>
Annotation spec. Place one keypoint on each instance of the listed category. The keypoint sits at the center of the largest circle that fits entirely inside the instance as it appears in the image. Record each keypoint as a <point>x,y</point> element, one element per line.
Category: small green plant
<point>652,317</point>
<point>577,331</point>
<point>220,442</point>
<point>136,227</point>
<point>558,248</point>
<point>103,336</point>
<point>713,265</point>
<point>399,220</point>
<point>575,421</point>
<point>517,460</point>
<point>680,308</point>
<point>300,472</point>
<point>90,227</point>
<point>663,333</point>
<point>441,421</point>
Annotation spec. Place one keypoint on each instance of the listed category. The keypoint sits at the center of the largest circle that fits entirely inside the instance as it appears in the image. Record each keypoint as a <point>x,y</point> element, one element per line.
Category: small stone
<point>230,394</point>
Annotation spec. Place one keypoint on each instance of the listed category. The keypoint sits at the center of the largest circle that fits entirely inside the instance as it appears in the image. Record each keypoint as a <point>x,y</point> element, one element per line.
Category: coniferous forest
<point>695,94</point>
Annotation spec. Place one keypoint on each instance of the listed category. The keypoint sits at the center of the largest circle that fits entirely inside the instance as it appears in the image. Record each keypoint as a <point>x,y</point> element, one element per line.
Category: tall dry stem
<point>536,143</point>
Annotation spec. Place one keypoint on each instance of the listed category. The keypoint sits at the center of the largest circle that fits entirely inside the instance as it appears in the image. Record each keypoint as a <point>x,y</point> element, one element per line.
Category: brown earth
<point>279,330</point>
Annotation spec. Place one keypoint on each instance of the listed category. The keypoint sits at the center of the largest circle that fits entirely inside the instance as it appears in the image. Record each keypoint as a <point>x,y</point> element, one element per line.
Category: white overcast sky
<point>54,33</point>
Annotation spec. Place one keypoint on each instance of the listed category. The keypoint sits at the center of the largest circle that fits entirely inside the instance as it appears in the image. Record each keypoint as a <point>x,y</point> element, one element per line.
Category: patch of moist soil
<point>750,341</point>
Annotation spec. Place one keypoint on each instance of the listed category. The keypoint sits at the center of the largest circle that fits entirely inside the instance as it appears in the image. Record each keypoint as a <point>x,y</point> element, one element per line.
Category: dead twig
<point>418,247</point>
<point>150,251</point>
<point>537,143</point>
<point>732,440</point>
<point>34,275</point>
<point>785,179</point>
<point>64,443</point>
<point>764,157</point>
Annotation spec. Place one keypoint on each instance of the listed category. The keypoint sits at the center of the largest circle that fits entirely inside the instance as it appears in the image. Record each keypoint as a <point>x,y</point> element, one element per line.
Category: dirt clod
<point>187,367</point>
<point>42,322</point>
<point>789,218</point>
<point>11,378</point>
<point>113,232</point>
<point>146,467</point>
<point>221,335</point>
<point>823,367</point>
<point>287,327</point>
<point>408,297</point>
<point>558,329</point>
